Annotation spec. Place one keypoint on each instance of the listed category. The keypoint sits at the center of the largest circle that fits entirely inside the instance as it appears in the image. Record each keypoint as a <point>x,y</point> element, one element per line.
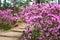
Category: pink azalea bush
<point>46,20</point>
<point>7,17</point>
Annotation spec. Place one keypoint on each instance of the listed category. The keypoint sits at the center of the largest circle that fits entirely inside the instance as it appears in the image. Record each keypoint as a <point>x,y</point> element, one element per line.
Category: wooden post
<point>14,5</point>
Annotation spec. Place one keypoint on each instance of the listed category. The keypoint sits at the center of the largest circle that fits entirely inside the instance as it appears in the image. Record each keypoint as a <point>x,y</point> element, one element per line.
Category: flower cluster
<point>7,17</point>
<point>46,18</point>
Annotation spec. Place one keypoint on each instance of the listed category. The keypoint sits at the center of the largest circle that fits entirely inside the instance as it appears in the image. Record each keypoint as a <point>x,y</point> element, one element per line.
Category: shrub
<point>46,20</point>
<point>8,18</point>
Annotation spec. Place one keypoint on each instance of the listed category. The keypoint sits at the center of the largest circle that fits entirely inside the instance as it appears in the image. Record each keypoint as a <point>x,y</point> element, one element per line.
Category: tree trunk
<point>4,5</point>
<point>14,5</point>
<point>38,1</point>
<point>59,1</point>
<point>0,3</point>
<point>4,2</point>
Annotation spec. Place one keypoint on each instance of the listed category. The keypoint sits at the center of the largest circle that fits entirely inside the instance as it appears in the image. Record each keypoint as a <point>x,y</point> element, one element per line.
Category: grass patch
<point>5,27</point>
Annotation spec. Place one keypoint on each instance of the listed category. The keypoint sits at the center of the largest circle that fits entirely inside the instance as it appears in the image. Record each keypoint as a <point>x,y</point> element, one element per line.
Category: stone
<point>7,38</point>
<point>11,34</point>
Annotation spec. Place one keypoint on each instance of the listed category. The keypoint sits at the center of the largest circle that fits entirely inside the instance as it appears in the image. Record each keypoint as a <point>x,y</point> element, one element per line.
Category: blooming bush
<point>8,18</point>
<point>46,20</point>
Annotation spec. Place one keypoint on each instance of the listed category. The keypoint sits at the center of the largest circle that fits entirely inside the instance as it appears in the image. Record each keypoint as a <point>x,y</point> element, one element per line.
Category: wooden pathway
<point>14,33</point>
